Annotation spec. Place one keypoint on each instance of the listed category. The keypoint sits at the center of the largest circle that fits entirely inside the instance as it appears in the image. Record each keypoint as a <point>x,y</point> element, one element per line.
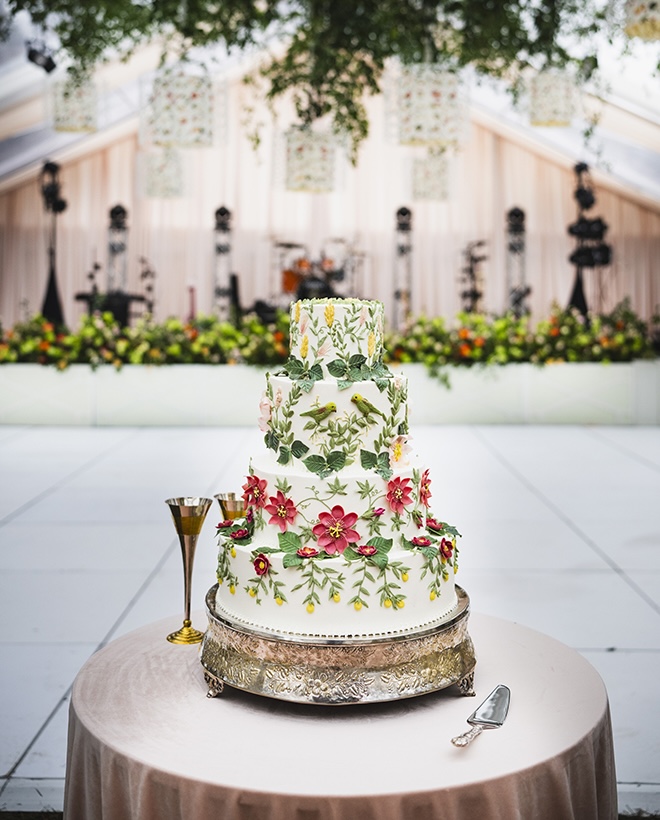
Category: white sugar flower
<point>265,410</point>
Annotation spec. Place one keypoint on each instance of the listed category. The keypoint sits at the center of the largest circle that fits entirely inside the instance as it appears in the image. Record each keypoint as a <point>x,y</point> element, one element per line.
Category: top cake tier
<point>336,335</point>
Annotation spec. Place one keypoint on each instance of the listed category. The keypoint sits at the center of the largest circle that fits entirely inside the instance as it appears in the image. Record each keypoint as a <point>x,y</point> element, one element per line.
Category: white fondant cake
<point>337,540</point>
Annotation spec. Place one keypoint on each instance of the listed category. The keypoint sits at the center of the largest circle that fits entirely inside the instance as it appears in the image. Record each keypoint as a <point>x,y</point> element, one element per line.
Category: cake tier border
<point>339,671</point>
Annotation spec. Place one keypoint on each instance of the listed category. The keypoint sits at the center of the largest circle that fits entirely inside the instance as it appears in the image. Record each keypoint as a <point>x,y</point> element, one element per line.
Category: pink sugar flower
<point>399,494</point>
<point>307,552</point>
<point>335,532</point>
<point>255,491</point>
<point>282,510</point>
<point>425,489</point>
<point>367,549</point>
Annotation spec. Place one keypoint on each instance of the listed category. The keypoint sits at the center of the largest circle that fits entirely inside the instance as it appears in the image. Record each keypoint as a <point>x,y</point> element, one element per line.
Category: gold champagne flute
<point>232,506</point>
<point>188,514</point>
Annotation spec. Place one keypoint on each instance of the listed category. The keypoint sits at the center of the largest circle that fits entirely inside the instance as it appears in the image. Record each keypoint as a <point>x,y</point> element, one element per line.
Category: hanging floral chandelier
<point>74,102</point>
<point>432,106</point>
<point>551,99</point>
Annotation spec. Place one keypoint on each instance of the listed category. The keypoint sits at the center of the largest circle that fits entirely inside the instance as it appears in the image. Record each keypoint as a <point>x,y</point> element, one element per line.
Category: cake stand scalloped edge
<point>339,671</point>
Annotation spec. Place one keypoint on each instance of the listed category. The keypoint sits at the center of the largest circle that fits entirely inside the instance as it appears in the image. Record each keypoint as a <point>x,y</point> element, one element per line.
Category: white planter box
<point>223,395</point>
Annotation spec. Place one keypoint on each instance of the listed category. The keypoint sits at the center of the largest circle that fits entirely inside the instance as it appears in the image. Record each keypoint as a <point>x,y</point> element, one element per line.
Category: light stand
<point>54,204</point>
<point>591,251</point>
<point>222,288</point>
<point>403,267</point>
<point>517,289</point>
<point>471,277</point>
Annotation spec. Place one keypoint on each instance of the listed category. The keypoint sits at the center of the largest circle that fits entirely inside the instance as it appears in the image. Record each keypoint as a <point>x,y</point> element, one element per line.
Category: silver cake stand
<point>336,672</point>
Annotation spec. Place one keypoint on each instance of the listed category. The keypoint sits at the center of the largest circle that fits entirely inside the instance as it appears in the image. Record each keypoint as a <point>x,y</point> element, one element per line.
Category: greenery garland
<point>332,53</point>
<point>472,339</point>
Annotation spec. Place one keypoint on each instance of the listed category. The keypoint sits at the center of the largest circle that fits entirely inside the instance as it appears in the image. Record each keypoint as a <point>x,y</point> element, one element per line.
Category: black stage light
<point>50,188</point>
<point>585,198</point>
<point>594,229</point>
<point>118,216</point>
<point>223,219</point>
<point>38,54</point>
<point>595,256</point>
<point>515,219</point>
<point>404,219</point>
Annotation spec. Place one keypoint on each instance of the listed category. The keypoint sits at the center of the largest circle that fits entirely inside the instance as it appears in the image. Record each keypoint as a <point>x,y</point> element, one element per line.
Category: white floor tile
<point>38,794</point>
<point>585,610</point>
<point>631,682</point>
<point>64,607</point>
<point>47,757</point>
<point>33,679</point>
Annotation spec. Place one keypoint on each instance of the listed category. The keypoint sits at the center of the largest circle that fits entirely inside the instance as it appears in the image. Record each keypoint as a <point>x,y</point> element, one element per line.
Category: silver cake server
<point>490,715</point>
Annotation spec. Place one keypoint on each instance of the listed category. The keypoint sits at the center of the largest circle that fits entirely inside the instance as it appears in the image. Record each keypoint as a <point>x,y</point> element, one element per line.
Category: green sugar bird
<point>365,406</point>
<point>322,412</point>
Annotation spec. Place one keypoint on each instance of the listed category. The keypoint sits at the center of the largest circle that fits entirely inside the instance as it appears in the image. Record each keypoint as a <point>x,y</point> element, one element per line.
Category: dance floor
<point>561,533</point>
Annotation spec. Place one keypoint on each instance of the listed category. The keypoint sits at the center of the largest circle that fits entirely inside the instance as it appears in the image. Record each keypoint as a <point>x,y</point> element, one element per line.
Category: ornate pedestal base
<point>338,672</point>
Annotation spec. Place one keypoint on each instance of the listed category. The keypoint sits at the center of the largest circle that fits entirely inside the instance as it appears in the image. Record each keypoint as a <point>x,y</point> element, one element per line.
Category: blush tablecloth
<point>146,743</point>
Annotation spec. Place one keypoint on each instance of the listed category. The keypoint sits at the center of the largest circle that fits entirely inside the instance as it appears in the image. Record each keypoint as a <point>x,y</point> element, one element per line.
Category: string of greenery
<point>471,339</point>
<point>331,54</point>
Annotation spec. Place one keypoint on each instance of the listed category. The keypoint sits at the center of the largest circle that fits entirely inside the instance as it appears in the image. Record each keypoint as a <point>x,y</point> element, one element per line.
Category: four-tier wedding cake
<point>338,539</point>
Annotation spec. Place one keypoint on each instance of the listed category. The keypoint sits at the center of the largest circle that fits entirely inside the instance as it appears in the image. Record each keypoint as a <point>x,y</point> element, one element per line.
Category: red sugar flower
<point>425,488</point>
<point>446,548</point>
<point>335,532</point>
<point>367,549</point>
<point>307,552</point>
<point>378,512</point>
<point>282,510</point>
<point>433,524</point>
<point>255,491</point>
<point>421,541</point>
<point>399,494</point>
<point>261,564</point>
<point>224,524</point>
<point>237,535</point>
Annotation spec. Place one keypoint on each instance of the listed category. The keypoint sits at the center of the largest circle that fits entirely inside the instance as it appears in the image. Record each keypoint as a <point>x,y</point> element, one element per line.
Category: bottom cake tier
<point>338,672</point>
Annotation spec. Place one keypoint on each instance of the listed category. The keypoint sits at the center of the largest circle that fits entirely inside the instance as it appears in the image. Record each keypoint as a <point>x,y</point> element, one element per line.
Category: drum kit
<point>332,274</point>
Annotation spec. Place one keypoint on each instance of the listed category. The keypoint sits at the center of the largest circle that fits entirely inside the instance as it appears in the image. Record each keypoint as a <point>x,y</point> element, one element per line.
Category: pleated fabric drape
<point>487,177</point>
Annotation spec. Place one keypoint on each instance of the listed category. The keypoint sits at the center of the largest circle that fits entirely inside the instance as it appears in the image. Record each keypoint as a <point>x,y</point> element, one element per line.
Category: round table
<point>146,743</point>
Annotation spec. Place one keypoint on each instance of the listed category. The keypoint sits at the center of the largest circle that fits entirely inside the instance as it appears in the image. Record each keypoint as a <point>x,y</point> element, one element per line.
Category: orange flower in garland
<point>282,510</point>
<point>399,494</point>
<point>255,491</point>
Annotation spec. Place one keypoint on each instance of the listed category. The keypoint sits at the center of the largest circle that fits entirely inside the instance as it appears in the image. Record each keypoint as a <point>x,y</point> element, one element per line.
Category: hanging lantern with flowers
<point>162,172</point>
<point>310,160</point>
<point>179,110</point>
<point>431,177</point>
<point>432,106</point>
<point>642,19</point>
<point>74,102</point>
<point>551,99</point>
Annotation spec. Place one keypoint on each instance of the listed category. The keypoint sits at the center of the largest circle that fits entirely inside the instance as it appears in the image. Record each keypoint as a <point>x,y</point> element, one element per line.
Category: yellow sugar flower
<point>296,313</point>
<point>304,346</point>
<point>371,344</point>
<point>329,315</point>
